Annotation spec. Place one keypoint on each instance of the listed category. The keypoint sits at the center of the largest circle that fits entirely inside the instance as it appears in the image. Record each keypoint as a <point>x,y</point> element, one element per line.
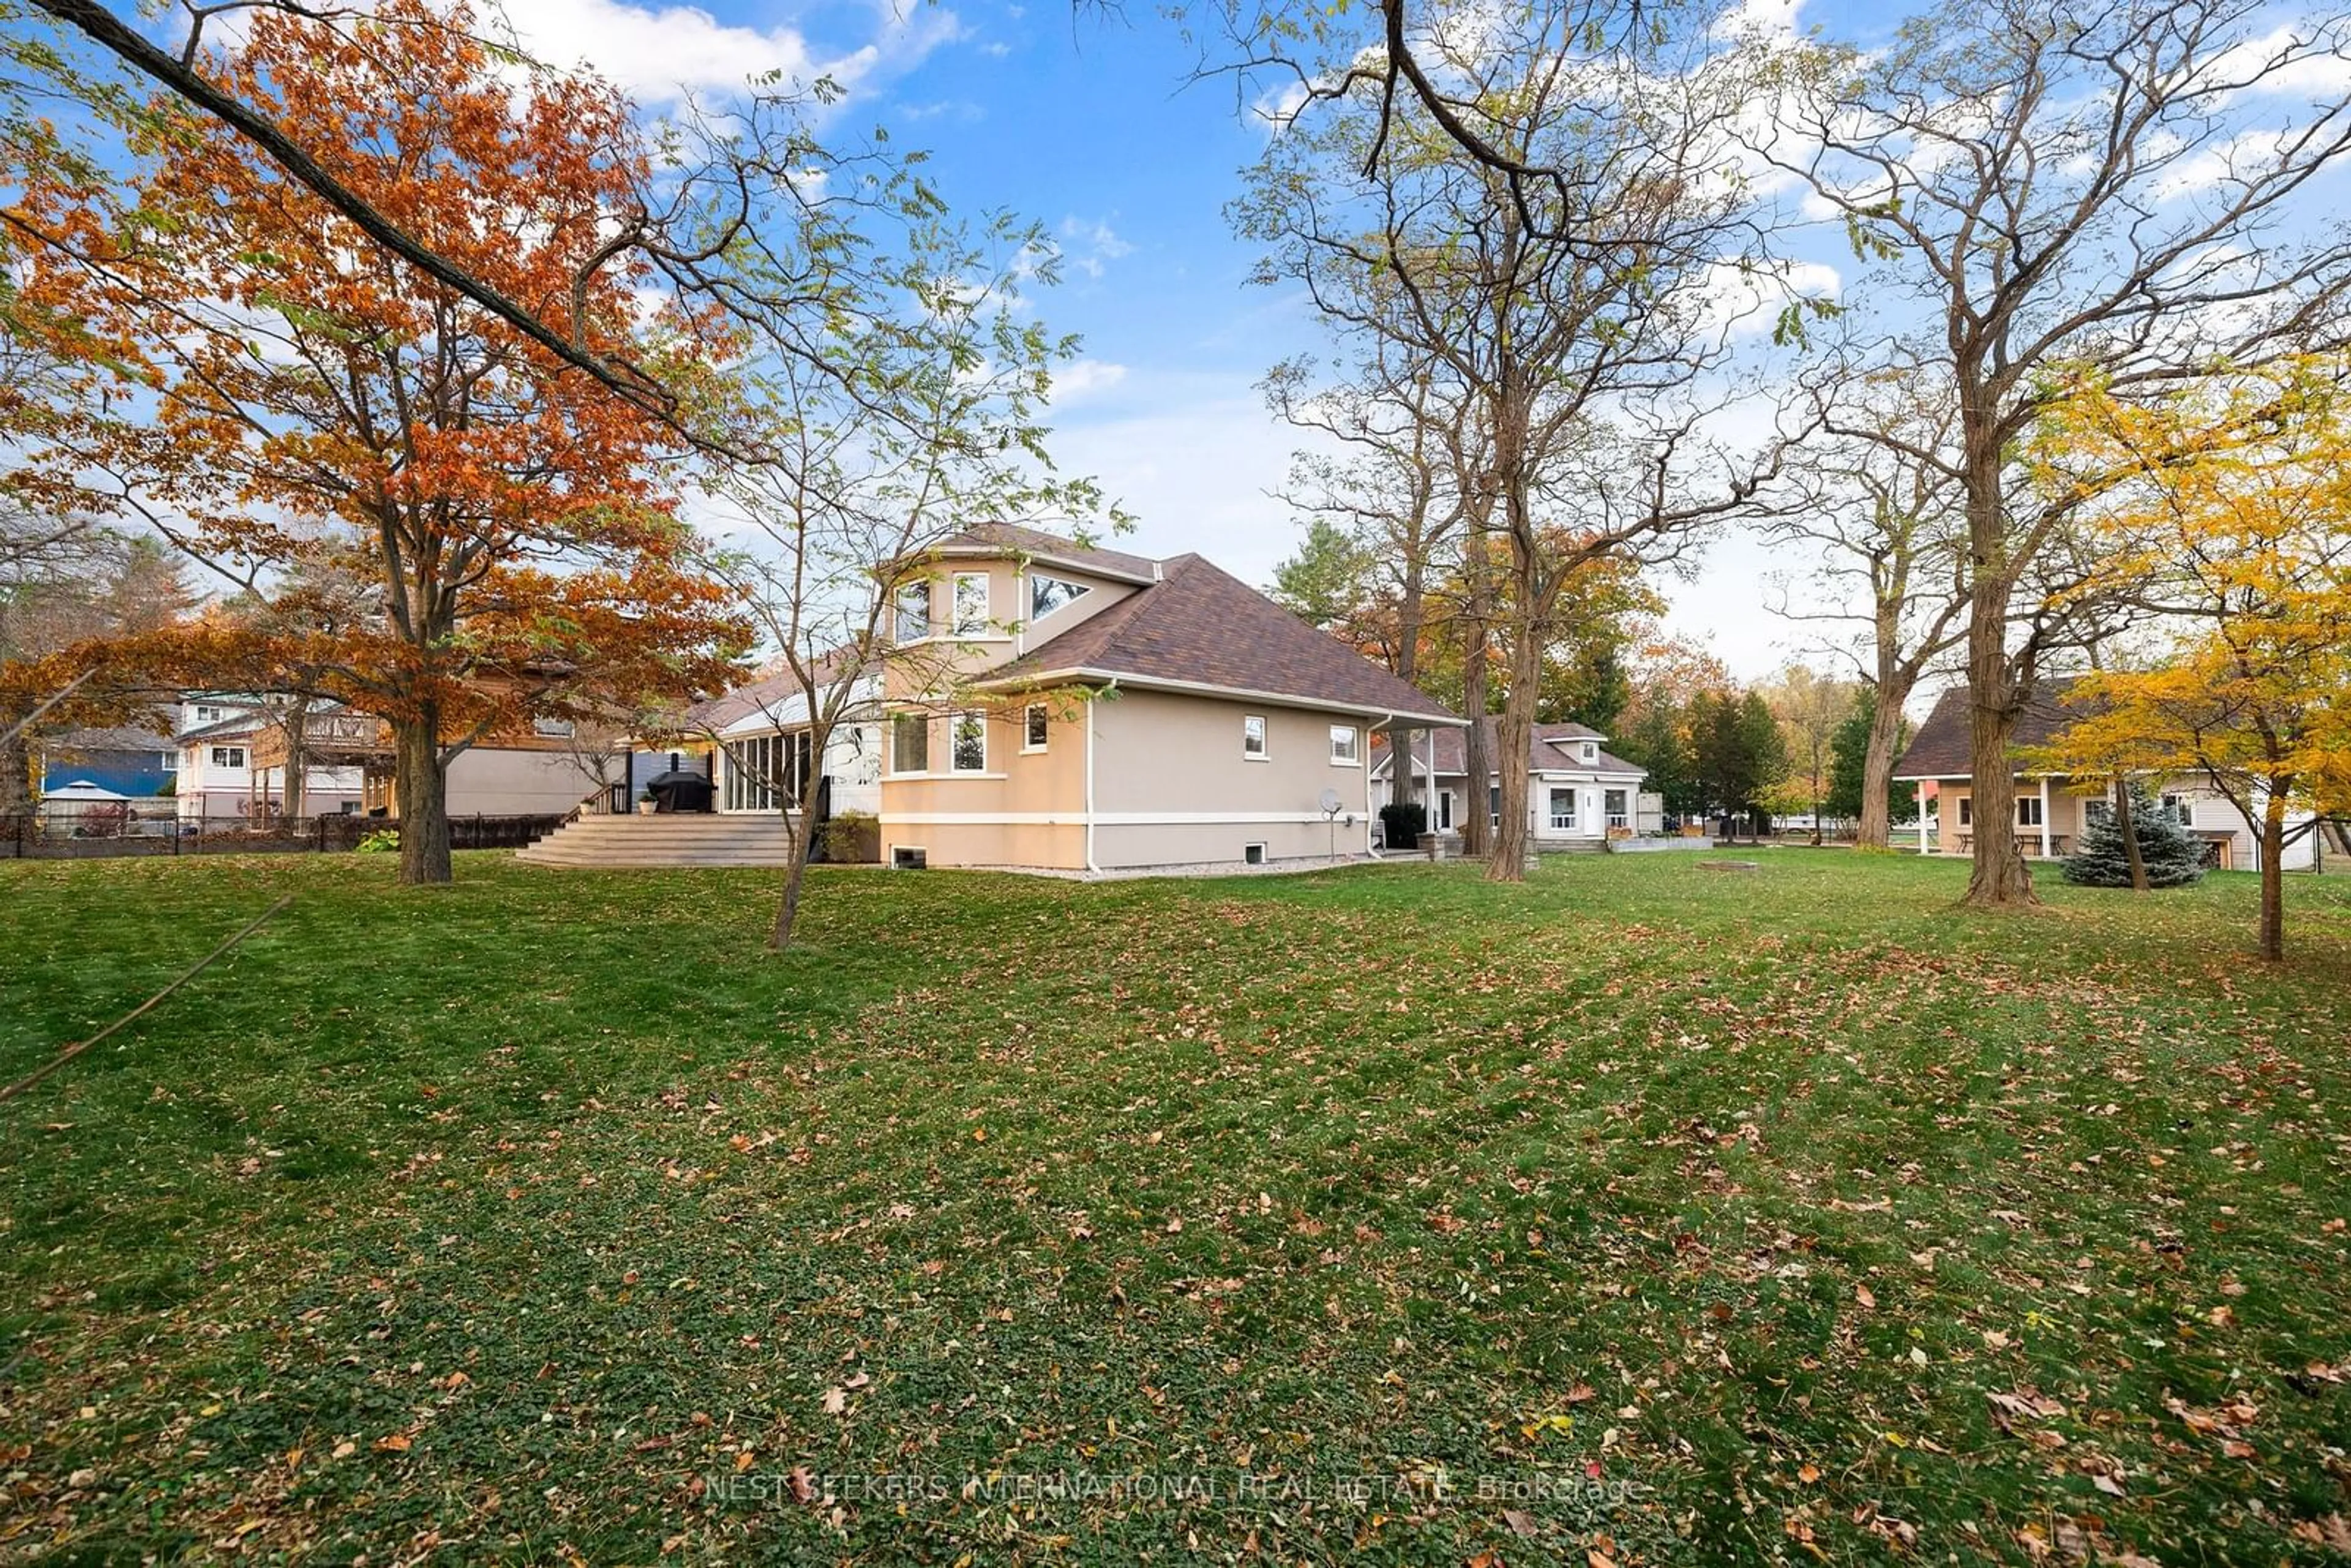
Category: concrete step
<point>685,838</point>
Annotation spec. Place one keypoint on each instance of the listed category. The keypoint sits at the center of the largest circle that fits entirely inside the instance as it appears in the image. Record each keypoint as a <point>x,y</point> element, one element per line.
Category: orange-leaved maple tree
<point>298,402</point>
<point>2222,518</point>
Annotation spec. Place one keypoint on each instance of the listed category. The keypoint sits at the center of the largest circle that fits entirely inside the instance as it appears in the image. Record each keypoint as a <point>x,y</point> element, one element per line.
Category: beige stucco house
<point>1054,706</point>
<point>2052,808</point>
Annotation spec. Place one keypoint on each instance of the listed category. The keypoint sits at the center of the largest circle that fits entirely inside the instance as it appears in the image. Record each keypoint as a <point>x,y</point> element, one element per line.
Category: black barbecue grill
<point>679,790</point>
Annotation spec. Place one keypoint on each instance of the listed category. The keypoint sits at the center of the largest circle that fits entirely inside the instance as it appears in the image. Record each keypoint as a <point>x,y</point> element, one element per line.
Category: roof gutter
<point>1286,699</point>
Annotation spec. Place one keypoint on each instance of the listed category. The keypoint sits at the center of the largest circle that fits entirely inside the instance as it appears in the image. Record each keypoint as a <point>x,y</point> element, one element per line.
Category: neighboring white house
<point>217,780</point>
<point>2052,808</point>
<point>1577,792</point>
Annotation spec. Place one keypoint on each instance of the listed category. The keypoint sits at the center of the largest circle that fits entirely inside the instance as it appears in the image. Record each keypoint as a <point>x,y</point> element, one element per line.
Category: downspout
<point>1092,867</point>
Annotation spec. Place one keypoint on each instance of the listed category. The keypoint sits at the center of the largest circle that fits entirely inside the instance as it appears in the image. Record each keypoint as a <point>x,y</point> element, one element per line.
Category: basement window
<point>1252,854</point>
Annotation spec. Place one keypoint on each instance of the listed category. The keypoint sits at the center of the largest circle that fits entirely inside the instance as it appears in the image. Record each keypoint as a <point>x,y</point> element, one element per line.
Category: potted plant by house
<point>646,804</point>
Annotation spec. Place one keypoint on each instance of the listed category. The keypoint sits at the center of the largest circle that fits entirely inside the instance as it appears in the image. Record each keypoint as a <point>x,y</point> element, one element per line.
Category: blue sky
<point>1090,125</point>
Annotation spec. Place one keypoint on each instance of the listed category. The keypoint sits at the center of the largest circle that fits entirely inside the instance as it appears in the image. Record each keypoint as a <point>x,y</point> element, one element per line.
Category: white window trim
<point>954,606</point>
<point>1264,752</point>
<point>1354,743</point>
<point>1552,813</point>
<point>1033,747</point>
<point>1033,577</point>
<point>954,725</point>
<point>890,743</point>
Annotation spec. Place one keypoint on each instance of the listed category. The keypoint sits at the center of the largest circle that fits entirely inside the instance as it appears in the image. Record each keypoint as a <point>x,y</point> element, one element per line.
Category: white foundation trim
<point>1082,819</point>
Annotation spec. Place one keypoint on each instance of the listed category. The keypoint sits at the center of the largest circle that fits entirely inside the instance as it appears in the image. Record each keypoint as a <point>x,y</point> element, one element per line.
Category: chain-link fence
<point>98,829</point>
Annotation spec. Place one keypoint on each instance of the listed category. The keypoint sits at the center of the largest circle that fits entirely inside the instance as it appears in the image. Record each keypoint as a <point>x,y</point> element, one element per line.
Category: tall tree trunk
<point>1999,879</point>
<point>16,783</point>
<point>1514,743</point>
<point>2129,826</point>
<point>1406,666</point>
<point>1477,766</point>
<point>1876,831</point>
<point>422,779</point>
<point>2273,876</point>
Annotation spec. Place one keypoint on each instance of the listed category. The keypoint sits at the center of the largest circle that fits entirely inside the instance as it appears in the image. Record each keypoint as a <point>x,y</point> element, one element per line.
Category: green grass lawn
<point>1642,1214</point>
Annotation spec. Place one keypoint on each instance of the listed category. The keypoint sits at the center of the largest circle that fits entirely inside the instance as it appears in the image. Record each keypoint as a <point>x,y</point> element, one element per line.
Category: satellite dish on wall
<point>1330,802</point>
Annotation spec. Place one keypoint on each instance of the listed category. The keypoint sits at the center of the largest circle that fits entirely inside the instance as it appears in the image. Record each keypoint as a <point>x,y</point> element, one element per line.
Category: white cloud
<point>1090,244</point>
<point>660,54</point>
<point>1745,299</point>
<point>1085,378</point>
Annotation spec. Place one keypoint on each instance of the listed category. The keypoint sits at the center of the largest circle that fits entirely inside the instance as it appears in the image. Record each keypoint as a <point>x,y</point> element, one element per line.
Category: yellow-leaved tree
<point>2225,523</point>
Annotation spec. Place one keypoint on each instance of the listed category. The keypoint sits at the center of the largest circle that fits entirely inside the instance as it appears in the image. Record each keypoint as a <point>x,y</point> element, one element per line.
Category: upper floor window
<point>1037,725</point>
<point>910,743</point>
<point>1346,746</point>
<point>207,714</point>
<point>971,743</point>
<point>1253,737</point>
<point>914,612</point>
<point>1591,751</point>
<point>1046,594</point>
<point>228,756</point>
<point>970,603</point>
<point>551,728</point>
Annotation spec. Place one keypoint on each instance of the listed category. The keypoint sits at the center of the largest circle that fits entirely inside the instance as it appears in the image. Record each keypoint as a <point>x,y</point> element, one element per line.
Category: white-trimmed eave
<point>1205,688</point>
<point>1025,560</point>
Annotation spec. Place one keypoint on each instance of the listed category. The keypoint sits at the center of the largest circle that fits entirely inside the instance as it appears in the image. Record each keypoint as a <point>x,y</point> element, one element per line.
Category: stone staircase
<point>682,839</point>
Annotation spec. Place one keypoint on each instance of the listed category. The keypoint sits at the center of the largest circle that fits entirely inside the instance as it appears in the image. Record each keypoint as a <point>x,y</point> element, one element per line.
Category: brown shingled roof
<point>1199,626</point>
<point>1552,750</point>
<point>1942,747</point>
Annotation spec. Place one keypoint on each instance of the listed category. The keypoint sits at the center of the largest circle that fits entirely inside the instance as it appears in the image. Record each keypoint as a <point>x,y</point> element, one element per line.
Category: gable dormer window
<point>1591,751</point>
<point>1046,594</point>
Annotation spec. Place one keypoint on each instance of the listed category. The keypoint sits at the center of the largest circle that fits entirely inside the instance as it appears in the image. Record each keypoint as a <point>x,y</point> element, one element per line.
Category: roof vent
<point>1157,574</point>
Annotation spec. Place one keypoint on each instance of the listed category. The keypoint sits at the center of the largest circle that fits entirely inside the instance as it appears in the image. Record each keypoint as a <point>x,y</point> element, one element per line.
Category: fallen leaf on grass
<point>397,1442</point>
<point>2333,1532</point>
<point>2029,1403</point>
